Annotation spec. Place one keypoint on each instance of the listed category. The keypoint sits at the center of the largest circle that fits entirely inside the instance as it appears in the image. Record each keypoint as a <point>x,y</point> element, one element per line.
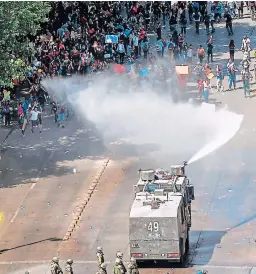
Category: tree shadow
<point>23,160</point>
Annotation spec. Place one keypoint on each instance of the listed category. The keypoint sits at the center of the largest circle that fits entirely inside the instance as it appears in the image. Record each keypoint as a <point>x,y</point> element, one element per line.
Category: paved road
<point>223,230</point>
<point>43,177</point>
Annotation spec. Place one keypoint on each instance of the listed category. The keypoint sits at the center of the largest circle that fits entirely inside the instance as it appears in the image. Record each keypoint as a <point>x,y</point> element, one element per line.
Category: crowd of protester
<point>86,37</point>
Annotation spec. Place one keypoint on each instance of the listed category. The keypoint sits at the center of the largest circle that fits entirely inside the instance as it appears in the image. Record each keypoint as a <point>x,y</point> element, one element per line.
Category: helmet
<point>133,260</point>
<point>55,259</point>
<point>99,249</point>
<point>119,255</point>
<point>202,272</point>
<point>69,261</point>
<point>117,261</point>
<point>103,265</point>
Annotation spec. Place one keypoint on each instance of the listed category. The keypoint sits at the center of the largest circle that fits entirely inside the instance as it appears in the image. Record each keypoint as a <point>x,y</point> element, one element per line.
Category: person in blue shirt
<point>145,47</point>
<point>159,47</point>
<point>129,50</point>
<point>121,51</point>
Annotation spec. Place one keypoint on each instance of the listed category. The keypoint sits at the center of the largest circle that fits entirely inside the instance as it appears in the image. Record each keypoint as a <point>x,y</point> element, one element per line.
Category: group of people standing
<point>231,70</point>
<point>119,267</point>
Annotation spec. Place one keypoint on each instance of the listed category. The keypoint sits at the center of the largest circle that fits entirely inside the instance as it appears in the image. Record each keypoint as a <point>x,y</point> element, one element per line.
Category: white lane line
<point>19,208</point>
<point>47,262</point>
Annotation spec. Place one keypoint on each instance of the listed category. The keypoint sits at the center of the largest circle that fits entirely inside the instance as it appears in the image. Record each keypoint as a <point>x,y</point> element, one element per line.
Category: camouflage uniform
<point>132,267</point>
<point>100,256</point>
<point>68,267</point>
<point>55,267</point>
<point>103,269</point>
<point>119,256</point>
<point>119,267</point>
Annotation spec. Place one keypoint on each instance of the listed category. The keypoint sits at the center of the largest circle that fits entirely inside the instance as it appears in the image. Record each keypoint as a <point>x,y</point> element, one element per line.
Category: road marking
<point>1,217</point>
<point>47,262</point>
<point>31,187</point>
<point>126,262</point>
<point>18,210</point>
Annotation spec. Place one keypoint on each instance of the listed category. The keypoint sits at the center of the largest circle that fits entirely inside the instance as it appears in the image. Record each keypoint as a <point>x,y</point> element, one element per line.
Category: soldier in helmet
<point>55,267</point>
<point>133,267</point>
<point>68,267</point>
<point>103,269</point>
<point>119,255</point>
<point>100,256</point>
<point>118,267</point>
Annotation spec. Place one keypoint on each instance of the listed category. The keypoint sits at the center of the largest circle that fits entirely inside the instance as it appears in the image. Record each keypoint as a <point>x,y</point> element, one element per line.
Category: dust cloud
<point>147,115</point>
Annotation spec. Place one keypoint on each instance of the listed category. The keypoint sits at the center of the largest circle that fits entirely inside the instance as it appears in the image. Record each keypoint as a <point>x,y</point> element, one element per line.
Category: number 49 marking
<point>153,227</point>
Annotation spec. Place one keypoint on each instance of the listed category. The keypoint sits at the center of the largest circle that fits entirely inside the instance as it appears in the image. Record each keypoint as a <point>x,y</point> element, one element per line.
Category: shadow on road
<point>29,244</point>
<point>202,245</point>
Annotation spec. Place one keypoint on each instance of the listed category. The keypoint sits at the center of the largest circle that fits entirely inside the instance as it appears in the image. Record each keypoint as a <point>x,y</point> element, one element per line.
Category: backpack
<point>201,52</point>
<point>196,16</point>
<point>171,46</point>
<point>145,46</point>
<point>184,21</point>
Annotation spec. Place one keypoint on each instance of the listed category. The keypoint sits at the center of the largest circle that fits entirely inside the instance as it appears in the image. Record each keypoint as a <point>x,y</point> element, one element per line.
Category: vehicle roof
<point>179,180</point>
<point>167,209</point>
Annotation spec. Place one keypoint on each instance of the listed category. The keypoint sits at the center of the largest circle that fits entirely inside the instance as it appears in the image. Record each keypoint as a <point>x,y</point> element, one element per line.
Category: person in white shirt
<point>246,45</point>
<point>135,40</point>
<point>190,54</point>
<point>34,118</point>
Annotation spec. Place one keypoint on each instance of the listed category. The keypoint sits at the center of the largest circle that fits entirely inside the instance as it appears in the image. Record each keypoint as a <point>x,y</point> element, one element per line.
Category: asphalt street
<point>40,189</point>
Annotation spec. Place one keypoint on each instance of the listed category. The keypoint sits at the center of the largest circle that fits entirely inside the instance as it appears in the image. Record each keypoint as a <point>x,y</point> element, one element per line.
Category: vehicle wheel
<point>182,255</point>
<point>187,244</point>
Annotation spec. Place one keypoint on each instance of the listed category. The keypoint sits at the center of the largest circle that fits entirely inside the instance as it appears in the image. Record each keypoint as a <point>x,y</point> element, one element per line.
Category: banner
<point>181,70</point>
<point>111,39</point>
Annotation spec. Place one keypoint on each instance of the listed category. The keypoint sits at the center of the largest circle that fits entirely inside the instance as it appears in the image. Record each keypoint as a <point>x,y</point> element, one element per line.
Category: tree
<point>18,19</point>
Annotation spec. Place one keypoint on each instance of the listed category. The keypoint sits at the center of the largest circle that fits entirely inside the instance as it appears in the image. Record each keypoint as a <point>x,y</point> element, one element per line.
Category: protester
<point>200,54</point>
<point>246,77</point>
<point>220,77</point>
<point>86,37</point>
<point>229,25</point>
<point>209,50</point>
<point>231,47</point>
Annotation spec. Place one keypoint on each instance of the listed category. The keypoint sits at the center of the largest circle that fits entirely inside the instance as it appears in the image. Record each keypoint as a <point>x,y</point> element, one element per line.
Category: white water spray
<point>142,116</point>
<point>227,129</point>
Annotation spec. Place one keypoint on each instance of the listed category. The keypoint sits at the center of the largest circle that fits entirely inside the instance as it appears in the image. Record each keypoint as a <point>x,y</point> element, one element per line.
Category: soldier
<point>68,267</point>
<point>133,267</point>
<point>55,267</point>
<point>100,256</point>
<point>118,269</point>
<point>119,255</point>
<point>103,269</point>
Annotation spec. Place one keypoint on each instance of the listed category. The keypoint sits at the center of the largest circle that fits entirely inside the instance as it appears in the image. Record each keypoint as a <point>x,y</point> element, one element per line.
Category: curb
<point>80,208</point>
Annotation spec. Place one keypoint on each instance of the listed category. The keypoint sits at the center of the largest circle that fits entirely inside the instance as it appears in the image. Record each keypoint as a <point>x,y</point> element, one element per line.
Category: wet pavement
<point>38,211</point>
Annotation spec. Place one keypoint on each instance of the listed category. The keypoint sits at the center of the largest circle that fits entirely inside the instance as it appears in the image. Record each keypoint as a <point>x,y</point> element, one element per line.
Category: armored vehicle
<point>160,216</point>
